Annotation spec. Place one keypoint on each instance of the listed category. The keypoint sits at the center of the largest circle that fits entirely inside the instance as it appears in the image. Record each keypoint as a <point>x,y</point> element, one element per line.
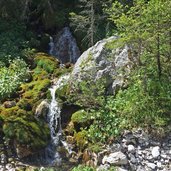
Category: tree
<point>88,20</point>
<point>145,26</point>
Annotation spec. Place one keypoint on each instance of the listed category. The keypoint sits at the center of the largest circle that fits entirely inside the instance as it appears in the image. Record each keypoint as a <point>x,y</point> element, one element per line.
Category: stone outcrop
<point>110,66</point>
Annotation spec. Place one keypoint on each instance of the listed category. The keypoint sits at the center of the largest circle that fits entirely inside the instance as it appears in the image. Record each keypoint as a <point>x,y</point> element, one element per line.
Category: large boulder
<point>109,66</point>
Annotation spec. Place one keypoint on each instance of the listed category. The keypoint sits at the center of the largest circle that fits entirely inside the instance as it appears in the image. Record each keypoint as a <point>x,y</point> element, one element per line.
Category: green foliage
<point>46,62</point>
<point>146,101</point>
<point>12,40</point>
<point>106,123</point>
<point>83,168</point>
<point>88,94</point>
<point>26,131</point>
<point>79,116</point>
<point>81,139</point>
<point>12,77</point>
<point>90,21</point>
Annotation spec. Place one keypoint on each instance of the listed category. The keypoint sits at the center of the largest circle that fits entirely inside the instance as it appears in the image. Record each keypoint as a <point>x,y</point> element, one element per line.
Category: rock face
<point>109,66</point>
<point>65,47</point>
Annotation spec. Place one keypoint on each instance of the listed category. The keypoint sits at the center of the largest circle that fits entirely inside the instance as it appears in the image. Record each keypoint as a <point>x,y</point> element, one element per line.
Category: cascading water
<point>51,45</point>
<point>52,157</point>
<point>64,46</point>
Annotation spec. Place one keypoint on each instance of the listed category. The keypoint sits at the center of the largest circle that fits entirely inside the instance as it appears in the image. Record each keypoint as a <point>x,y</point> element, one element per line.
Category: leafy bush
<point>83,168</point>
<point>11,77</point>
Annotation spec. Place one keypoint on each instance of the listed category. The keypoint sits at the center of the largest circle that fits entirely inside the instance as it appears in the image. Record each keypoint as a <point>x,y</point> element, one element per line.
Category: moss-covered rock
<point>81,139</point>
<point>46,62</point>
<point>19,122</point>
<point>81,119</point>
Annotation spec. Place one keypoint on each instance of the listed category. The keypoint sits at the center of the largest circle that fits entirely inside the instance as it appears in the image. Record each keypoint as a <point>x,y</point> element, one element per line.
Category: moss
<point>81,139</point>
<point>48,95</point>
<point>62,92</point>
<point>6,112</point>
<point>95,147</point>
<point>46,62</point>
<point>80,116</point>
<point>26,130</point>
<point>81,119</point>
<point>61,71</point>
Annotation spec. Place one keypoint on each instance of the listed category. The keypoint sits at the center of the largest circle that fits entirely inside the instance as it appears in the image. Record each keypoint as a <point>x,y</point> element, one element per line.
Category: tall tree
<point>88,20</point>
<point>144,26</point>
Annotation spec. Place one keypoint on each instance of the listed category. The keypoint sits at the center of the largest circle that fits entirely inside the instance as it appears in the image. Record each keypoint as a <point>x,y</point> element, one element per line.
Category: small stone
<point>156,151</point>
<point>121,169</point>
<point>131,149</point>
<point>104,167</point>
<point>164,156</point>
<point>151,165</point>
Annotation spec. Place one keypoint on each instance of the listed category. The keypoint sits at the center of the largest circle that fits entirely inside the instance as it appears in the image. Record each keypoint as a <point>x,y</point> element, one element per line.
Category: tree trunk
<point>24,12</point>
<point>92,24</point>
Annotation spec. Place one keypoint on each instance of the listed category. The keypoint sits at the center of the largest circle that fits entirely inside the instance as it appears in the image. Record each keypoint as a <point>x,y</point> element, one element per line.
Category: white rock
<point>117,158</point>
<point>131,149</point>
<point>155,151</point>
<point>100,62</point>
<point>121,169</point>
<point>104,167</point>
<point>151,165</point>
<point>159,165</point>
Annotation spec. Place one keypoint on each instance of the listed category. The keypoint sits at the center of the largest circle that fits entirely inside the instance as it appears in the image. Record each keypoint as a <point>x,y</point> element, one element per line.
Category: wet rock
<point>43,109</point>
<point>117,158</point>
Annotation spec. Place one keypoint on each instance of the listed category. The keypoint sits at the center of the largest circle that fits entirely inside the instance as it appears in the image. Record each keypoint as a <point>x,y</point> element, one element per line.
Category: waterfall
<point>64,46</point>
<point>51,45</point>
<point>52,157</point>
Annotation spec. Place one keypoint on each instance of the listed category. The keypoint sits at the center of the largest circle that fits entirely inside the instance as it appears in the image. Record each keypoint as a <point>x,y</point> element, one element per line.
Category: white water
<point>51,45</point>
<point>64,47</point>
<point>54,121</point>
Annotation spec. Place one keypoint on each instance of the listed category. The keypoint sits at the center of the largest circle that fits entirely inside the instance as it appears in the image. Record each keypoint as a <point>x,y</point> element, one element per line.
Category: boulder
<point>108,66</point>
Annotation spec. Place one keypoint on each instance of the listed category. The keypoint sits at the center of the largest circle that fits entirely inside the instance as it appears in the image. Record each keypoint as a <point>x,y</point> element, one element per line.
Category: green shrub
<point>83,168</point>
<point>12,77</point>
